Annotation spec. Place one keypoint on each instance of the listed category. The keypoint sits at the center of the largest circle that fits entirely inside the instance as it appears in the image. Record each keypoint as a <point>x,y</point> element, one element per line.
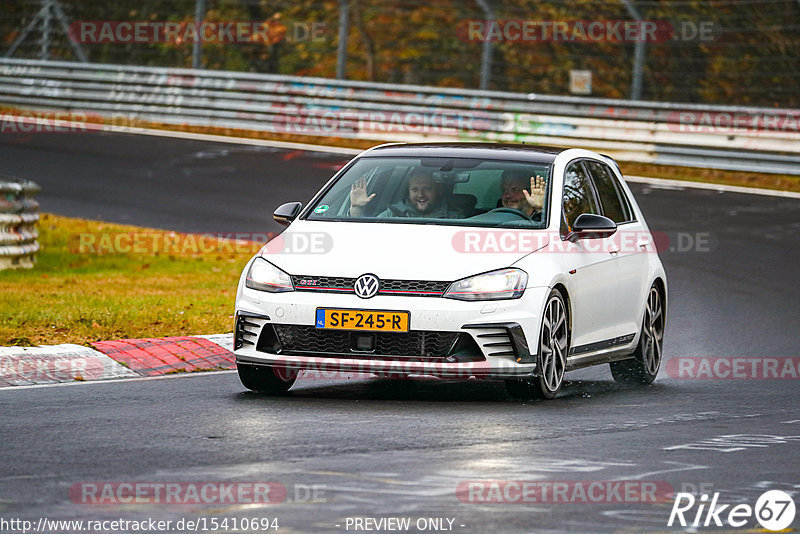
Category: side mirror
<point>591,226</point>
<point>286,213</point>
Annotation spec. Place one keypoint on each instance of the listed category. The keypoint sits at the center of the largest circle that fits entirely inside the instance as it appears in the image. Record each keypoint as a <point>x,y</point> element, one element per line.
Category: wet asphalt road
<point>376,448</point>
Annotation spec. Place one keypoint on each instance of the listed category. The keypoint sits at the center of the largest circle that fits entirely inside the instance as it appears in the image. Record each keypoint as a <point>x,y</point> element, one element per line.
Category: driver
<point>425,199</point>
<point>516,196</point>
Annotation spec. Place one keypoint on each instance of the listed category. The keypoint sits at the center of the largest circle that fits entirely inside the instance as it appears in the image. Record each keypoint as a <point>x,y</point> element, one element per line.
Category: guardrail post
<point>19,213</point>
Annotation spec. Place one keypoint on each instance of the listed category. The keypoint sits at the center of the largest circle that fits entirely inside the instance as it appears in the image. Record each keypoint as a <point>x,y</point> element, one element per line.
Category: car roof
<point>502,151</point>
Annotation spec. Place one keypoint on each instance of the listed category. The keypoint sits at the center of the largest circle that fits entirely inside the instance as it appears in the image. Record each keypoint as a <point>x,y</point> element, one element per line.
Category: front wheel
<point>643,368</point>
<point>552,359</point>
<point>265,379</point>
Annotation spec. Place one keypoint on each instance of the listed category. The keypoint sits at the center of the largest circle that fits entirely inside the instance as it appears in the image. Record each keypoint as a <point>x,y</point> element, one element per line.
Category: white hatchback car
<point>457,260</point>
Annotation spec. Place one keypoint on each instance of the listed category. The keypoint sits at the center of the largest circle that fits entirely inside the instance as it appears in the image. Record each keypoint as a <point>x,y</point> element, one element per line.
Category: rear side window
<point>612,198</point>
<point>578,196</point>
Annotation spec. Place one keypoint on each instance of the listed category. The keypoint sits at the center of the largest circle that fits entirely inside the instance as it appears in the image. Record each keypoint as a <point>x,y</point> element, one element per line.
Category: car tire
<point>552,354</point>
<point>644,366</point>
<point>265,379</point>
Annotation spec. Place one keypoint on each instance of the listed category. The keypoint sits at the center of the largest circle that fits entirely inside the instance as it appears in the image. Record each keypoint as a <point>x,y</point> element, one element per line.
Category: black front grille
<point>421,287</point>
<point>295,338</point>
<point>338,284</point>
<point>416,343</point>
<point>321,283</point>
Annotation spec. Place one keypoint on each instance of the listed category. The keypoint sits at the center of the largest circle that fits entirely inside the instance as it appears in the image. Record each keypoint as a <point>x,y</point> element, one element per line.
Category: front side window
<point>445,191</point>
<point>578,196</point>
<point>610,192</point>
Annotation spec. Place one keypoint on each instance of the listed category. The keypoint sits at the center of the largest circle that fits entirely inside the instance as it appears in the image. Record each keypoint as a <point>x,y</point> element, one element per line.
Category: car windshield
<point>443,191</point>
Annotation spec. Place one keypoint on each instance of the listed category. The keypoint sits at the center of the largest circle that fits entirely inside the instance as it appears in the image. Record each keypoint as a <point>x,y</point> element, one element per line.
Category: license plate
<point>367,320</point>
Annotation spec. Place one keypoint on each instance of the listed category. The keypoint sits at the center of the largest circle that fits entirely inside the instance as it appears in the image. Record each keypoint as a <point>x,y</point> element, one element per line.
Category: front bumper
<point>494,339</point>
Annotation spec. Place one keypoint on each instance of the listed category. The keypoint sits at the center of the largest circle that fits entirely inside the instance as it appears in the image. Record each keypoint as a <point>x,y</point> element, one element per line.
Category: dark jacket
<point>407,209</point>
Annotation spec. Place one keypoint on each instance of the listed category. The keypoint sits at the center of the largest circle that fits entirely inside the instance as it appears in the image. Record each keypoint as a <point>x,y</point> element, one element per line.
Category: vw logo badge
<point>367,286</point>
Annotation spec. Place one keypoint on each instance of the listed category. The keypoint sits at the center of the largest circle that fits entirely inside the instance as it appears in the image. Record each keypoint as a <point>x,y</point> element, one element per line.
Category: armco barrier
<point>722,137</point>
<point>19,213</point>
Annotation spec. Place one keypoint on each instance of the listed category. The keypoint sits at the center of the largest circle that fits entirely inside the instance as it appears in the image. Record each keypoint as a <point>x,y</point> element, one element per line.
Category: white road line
<point>61,356</point>
<point>663,182</point>
<point>116,380</point>
<point>97,127</point>
<point>355,151</point>
<point>25,366</point>
<point>681,467</point>
<point>236,140</point>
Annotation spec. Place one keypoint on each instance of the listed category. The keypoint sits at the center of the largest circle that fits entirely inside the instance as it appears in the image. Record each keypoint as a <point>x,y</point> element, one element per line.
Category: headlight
<point>496,285</point>
<point>264,276</point>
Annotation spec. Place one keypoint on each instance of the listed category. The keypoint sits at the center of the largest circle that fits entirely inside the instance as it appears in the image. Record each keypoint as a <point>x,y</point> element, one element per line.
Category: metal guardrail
<point>721,137</point>
<point>19,212</point>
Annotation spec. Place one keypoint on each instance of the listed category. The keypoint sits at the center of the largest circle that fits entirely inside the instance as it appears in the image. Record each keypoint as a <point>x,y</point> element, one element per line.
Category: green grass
<point>79,294</point>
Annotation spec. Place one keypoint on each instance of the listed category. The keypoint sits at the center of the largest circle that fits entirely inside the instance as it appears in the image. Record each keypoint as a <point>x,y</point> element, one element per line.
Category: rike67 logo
<point>774,510</point>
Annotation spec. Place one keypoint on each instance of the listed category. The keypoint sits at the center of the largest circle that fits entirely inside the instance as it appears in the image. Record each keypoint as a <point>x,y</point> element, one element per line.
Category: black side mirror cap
<point>286,213</point>
<point>591,226</point>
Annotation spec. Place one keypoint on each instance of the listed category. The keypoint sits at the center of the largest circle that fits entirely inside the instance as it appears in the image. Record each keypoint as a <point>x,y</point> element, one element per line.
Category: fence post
<point>486,52</point>
<point>344,29</point>
<point>197,49</point>
<point>638,56</point>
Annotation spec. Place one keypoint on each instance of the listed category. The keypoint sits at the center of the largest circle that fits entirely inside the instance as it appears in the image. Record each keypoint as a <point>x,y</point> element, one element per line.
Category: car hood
<point>394,251</point>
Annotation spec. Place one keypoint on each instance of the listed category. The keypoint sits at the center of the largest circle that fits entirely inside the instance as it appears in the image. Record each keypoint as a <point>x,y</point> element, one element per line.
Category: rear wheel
<point>552,359</point>
<point>643,368</point>
<point>265,379</point>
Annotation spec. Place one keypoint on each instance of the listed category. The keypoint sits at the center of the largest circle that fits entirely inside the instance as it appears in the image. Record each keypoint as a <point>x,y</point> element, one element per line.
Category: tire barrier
<point>19,213</point>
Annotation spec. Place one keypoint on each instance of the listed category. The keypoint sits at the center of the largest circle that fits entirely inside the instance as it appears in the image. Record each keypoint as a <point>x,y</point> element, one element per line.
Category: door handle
<point>644,243</point>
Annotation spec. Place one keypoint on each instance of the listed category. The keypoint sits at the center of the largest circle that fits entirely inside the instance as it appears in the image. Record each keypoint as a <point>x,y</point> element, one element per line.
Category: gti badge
<point>367,286</point>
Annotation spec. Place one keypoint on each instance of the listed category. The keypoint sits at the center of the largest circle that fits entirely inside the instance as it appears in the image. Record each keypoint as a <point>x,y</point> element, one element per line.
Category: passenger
<point>425,199</point>
<point>516,196</point>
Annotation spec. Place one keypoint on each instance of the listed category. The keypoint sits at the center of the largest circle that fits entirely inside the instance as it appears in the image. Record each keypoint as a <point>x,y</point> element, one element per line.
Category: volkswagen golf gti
<point>458,261</point>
